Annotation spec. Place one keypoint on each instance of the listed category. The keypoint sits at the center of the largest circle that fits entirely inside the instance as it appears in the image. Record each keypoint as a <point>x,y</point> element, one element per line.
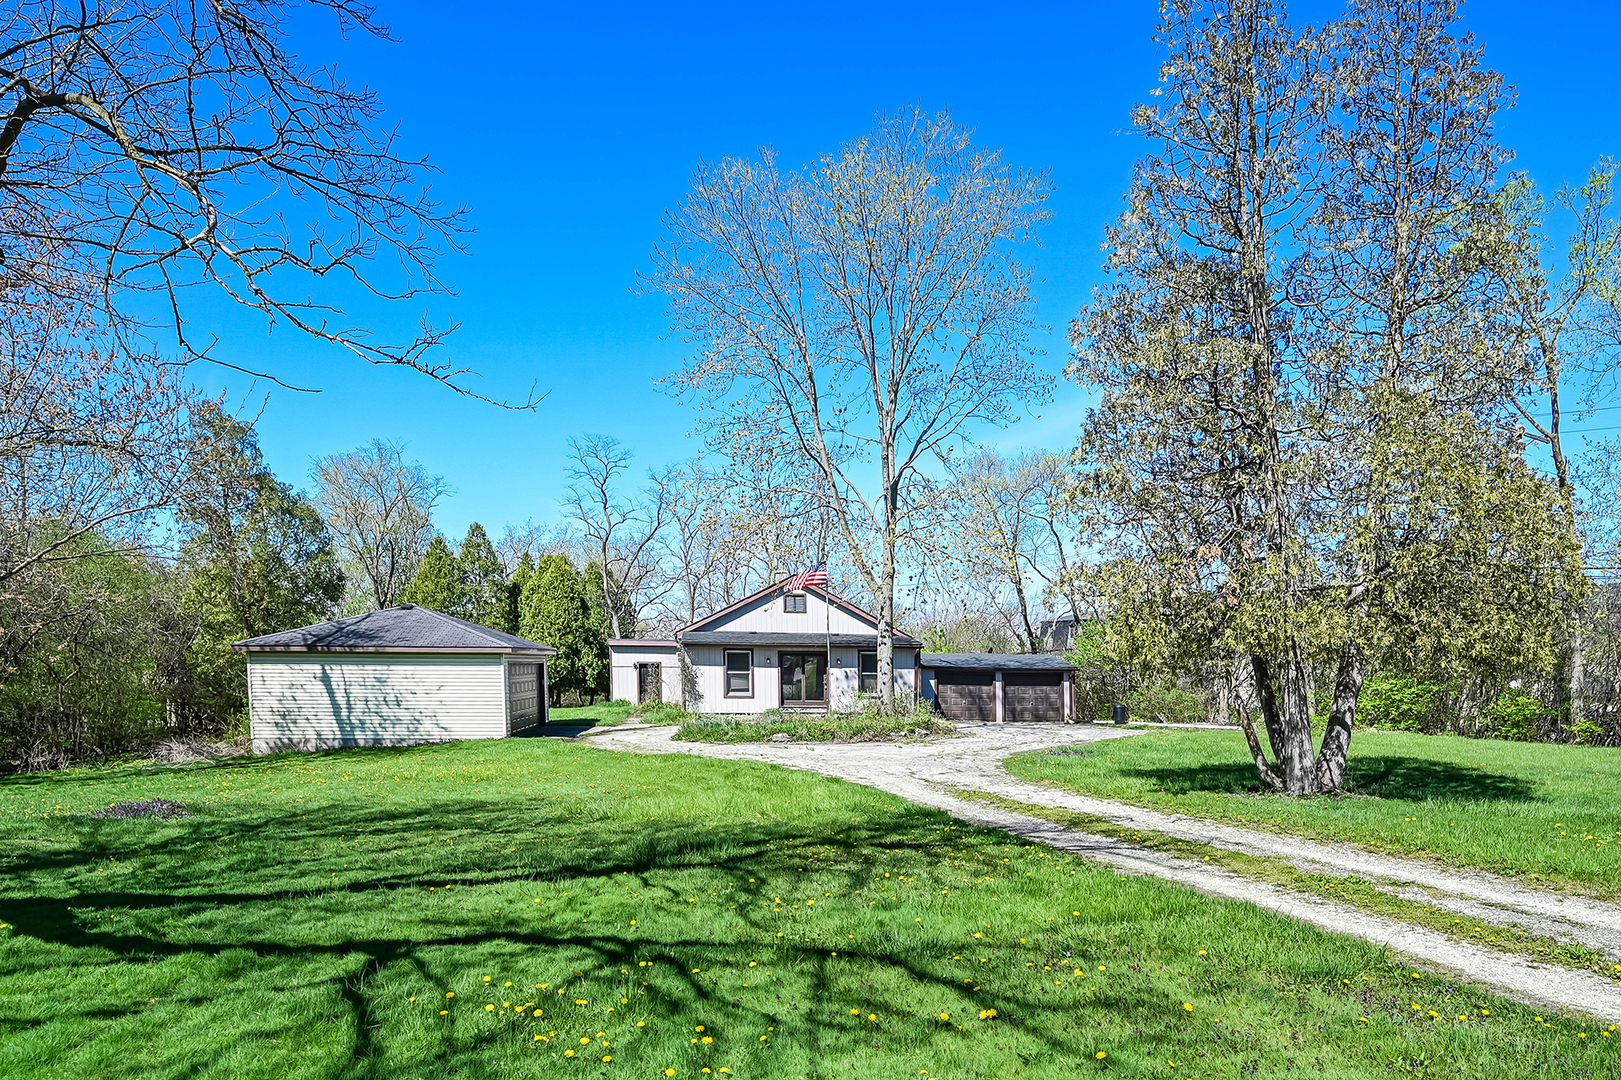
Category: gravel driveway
<point>922,772</point>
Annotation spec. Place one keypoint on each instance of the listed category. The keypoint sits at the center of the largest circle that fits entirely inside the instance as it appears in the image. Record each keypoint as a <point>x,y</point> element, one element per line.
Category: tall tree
<point>256,557</point>
<point>380,508</point>
<point>438,582</point>
<point>554,610</point>
<point>622,532</point>
<point>1295,437</point>
<point>857,321</point>
<point>484,582</point>
<point>1563,331</point>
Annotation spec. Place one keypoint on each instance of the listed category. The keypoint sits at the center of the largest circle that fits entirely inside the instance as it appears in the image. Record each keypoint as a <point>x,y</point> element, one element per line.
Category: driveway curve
<point>922,772</point>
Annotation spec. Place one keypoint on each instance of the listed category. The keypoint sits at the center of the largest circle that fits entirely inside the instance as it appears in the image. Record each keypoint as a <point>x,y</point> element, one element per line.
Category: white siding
<point>622,684</point>
<point>304,701</point>
<point>708,663</point>
<point>766,616</point>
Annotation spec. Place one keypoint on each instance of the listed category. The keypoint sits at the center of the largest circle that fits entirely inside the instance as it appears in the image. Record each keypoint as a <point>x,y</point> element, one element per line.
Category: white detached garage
<point>396,677</point>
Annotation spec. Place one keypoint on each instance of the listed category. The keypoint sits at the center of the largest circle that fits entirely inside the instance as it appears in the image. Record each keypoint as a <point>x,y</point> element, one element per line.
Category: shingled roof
<point>405,628</point>
<point>1008,661</point>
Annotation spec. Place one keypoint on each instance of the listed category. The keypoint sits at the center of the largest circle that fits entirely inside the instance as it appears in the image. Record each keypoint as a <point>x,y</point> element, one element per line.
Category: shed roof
<point>807,637</point>
<point>1005,661</point>
<point>404,628</point>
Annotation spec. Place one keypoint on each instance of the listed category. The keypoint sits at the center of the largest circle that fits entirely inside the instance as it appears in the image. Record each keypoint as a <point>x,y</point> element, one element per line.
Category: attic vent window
<point>794,603</point>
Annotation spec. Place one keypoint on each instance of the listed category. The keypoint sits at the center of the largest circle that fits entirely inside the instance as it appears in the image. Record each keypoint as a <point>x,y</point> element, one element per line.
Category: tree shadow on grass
<point>1385,776</point>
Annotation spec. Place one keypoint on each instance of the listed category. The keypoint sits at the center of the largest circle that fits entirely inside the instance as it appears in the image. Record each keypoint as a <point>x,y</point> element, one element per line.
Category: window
<point>739,674</point>
<point>794,603</point>
<point>868,677</point>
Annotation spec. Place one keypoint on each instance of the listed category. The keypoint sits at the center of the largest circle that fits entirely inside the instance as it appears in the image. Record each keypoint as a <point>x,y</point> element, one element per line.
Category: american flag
<point>816,575</point>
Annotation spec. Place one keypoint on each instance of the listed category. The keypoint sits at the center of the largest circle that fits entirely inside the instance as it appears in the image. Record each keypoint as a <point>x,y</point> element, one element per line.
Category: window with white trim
<point>739,673</point>
<point>868,675</point>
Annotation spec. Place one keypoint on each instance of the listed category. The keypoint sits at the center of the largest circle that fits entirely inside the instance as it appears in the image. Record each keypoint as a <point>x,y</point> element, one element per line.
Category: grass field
<point>530,908</point>
<point>1547,813</point>
<point>608,713</point>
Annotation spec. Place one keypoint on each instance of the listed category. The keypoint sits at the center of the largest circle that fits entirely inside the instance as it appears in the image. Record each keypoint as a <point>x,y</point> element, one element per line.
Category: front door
<point>649,683</point>
<point>804,678</point>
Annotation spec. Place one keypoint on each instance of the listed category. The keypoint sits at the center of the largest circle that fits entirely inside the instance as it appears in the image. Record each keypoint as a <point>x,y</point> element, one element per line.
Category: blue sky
<point>569,130</point>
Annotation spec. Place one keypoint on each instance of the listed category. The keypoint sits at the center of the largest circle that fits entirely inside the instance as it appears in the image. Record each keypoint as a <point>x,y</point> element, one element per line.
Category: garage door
<point>1033,695</point>
<point>966,695</point>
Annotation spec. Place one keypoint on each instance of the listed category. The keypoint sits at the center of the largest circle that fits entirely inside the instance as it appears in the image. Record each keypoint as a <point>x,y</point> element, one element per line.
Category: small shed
<point>997,687</point>
<point>396,677</point>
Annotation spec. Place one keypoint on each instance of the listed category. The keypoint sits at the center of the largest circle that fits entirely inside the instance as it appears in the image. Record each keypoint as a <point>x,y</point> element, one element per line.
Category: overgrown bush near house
<point>660,712</point>
<point>869,722</point>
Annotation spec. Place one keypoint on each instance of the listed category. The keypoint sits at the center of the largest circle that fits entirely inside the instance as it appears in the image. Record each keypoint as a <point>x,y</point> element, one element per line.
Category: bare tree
<point>380,508</point>
<point>621,533</point>
<point>1015,527</point>
<point>92,448</point>
<point>857,321</point>
<point>148,147</point>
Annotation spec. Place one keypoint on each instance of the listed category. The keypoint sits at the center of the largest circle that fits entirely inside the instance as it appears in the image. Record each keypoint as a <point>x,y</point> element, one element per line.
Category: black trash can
<point>1120,714</point>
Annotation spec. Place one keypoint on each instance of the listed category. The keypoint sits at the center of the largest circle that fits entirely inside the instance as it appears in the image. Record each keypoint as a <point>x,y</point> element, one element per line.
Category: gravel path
<point>921,772</point>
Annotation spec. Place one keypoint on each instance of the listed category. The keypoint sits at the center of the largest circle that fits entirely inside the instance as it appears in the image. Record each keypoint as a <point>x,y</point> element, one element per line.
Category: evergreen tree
<point>553,610</point>
<point>438,584</point>
<point>520,578</point>
<point>484,583</point>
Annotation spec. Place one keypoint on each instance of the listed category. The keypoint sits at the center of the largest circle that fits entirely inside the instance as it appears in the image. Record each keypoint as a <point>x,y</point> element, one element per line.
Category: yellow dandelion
<point>607,1057</point>
<point>708,1040</point>
<point>1188,1005</point>
<point>1101,1055</point>
<point>945,1016</point>
<point>872,1016</point>
<point>568,1053</point>
<point>451,994</point>
<point>584,1041</point>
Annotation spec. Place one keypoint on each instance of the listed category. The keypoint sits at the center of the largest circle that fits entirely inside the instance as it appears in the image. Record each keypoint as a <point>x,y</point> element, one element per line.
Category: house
<point>801,650</point>
<point>395,677</point>
<point>999,687</point>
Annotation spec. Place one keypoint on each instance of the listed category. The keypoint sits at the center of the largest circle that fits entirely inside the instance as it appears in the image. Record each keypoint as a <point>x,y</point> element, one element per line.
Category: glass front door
<point>803,676</point>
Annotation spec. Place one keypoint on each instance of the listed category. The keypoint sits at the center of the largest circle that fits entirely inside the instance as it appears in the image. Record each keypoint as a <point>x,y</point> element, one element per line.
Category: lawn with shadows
<point>530,908</point>
<point>1547,813</point>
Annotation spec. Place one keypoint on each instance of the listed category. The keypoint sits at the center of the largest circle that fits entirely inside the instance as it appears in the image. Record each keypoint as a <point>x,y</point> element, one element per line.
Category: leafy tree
<point>257,558</point>
<point>485,598</point>
<point>1305,469</point>
<point>554,610</point>
<point>438,582</point>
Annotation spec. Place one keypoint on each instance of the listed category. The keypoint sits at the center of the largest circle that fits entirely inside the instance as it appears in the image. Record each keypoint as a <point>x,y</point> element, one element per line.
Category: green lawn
<point>407,913</point>
<point>1549,813</point>
<point>601,714</point>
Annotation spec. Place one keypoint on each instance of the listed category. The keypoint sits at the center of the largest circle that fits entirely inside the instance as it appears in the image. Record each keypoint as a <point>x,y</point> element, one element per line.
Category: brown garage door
<point>966,695</point>
<point>1033,695</point>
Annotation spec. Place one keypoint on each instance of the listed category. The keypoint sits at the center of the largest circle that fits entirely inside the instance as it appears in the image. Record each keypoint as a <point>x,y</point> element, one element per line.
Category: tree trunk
<point>1266,696</point>
<point>1298,759</point>
<point>1262,766</point>
<point>1341,717</point>
<point>886,629</point>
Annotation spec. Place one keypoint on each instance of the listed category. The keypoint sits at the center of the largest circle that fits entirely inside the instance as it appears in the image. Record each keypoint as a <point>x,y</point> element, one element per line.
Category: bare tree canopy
<point>151,147</point>
<point>379,507</point>
<point>857,321</point>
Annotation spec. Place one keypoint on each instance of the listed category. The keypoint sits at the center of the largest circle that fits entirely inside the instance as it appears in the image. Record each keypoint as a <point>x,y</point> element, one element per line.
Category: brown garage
<point>993,687</point>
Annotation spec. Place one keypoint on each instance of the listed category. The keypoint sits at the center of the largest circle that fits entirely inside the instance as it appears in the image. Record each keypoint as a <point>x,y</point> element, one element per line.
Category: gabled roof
<point>1006,661</point>
<point>405,628</point>
<point>825,594</point>
<point>753,638</point>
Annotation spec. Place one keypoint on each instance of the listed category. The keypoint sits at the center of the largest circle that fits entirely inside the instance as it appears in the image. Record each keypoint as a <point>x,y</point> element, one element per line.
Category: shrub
<point>1517,716</point>
<point>1167,704</point>
<point>1589,732</point>
<point>1401,704</point>
<point>866,723</point>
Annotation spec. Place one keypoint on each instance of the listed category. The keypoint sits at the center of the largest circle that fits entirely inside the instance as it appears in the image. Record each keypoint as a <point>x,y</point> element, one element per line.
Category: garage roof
<point>1003,661</point>
<point>404,628</point>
